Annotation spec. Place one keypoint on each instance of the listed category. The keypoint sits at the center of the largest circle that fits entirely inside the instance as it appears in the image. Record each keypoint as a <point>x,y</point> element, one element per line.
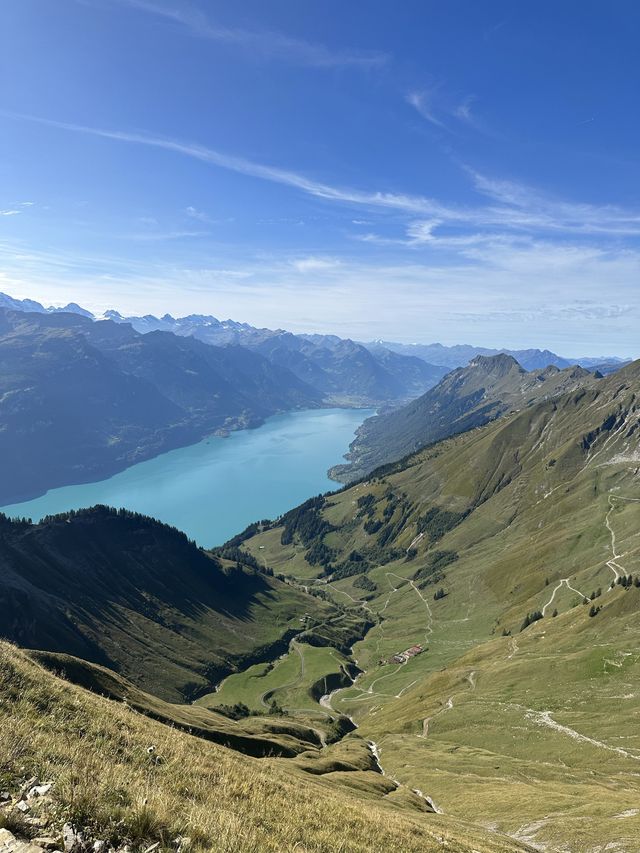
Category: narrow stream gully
<point>325,702</point>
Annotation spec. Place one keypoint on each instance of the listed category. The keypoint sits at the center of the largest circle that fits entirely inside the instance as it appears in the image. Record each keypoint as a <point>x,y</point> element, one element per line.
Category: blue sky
<point>458,171</point>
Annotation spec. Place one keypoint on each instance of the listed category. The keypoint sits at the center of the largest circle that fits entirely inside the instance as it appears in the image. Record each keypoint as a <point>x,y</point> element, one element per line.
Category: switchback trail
<point>563,582</point>
<point>368,693</point>
<point>471,678</point>
<point>617,569</point>
<point>613,564</point>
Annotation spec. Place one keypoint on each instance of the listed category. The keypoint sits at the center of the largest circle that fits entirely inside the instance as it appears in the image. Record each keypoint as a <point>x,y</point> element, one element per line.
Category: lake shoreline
<point>202,486</point>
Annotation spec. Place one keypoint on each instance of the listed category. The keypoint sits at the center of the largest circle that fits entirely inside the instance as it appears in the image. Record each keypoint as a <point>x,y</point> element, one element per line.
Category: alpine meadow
<point>319,427</point>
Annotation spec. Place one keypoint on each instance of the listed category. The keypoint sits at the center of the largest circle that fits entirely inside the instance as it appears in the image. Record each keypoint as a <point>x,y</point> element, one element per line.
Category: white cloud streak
<point>432,104</point>
<point>199,215</point>
<point>423,103</point>
<point>314,264</point>
<point>513,206</point>
<point>463,111</point>
<point>16,209</point>
<point>161,236</point>
<point>261,44</point>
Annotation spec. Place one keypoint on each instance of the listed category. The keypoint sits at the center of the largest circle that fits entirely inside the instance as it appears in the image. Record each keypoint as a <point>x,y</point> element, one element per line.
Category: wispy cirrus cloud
<point>16,209</point>
<point>161,236</point>
<point>514,206</point>
<point>444,110</point>
<point>258,43</point>
<point>423,102</point>
<point>314,264</point>
<point>511,206</point>
<point>464,113</point>
<point>199,215</point>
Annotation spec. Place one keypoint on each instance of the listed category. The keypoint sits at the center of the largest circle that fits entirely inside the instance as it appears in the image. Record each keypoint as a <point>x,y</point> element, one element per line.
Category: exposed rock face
<point>10,844</point>
<point>33,797</point>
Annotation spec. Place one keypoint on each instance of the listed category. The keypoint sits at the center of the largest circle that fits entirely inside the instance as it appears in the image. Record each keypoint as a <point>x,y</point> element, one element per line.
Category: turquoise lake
<point>214,489</point>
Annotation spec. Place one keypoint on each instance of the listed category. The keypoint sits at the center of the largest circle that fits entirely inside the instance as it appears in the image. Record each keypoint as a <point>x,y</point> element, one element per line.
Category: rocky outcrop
<point>31,825</point>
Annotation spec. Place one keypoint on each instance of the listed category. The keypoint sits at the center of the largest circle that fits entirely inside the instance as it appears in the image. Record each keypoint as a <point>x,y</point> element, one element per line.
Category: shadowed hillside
<point>80,399</point>
<point>128,592</point>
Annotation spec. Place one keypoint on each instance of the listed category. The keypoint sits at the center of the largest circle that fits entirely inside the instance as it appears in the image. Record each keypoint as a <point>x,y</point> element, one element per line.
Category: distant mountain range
<point>342,371</point>
<point>345,372</point>
<point>306,354</point>
<point>12,304</point>
<point>82,398</point>
<point>466,398</point>
<point>531,359</point>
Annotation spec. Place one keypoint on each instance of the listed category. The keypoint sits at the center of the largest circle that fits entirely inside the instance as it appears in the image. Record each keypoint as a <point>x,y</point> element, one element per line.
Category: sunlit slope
<point>533,731</point>
<point>96,753</point>
<point>465,398</point>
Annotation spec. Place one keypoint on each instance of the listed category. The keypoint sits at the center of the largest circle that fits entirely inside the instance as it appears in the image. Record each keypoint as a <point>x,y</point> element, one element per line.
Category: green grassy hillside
<point>473,610</point>
<point>526,729</point>
<point>123,777</point>
<point>466,398</point>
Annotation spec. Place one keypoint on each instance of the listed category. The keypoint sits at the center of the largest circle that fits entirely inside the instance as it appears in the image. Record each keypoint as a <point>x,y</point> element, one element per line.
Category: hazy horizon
<point>99,314</point>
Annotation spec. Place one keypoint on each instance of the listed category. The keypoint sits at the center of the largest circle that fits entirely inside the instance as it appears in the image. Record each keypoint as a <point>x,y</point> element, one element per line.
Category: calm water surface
<point>214,489</point>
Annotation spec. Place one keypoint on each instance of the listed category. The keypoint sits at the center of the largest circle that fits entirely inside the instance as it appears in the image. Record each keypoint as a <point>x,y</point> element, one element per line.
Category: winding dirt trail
<point>370,692</point>
<point>448,705</point>
<point>544,718</point>
<point>617,569</point>
<point>415,541</point>
<point>357,601</point>
<point>563,582</point>
<point>429,626</point>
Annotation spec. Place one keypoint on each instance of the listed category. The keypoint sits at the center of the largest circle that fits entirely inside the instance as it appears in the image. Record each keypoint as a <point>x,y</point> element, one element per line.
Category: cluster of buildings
<point>403,657</point>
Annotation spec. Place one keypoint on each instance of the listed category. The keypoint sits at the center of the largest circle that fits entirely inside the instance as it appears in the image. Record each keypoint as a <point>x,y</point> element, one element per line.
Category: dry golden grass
<point>95,752</point>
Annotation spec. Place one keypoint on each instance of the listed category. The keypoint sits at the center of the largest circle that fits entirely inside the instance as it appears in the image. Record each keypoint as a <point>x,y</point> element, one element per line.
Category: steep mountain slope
<point>502,568</point>
<point>128,592</point>
<point>69,414</point>
<point>80,399</point>
<point>122,777</point>
<point>343,371</point>
<point>466,398</point>
<point>201,378</point>
<point>484,680</point>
